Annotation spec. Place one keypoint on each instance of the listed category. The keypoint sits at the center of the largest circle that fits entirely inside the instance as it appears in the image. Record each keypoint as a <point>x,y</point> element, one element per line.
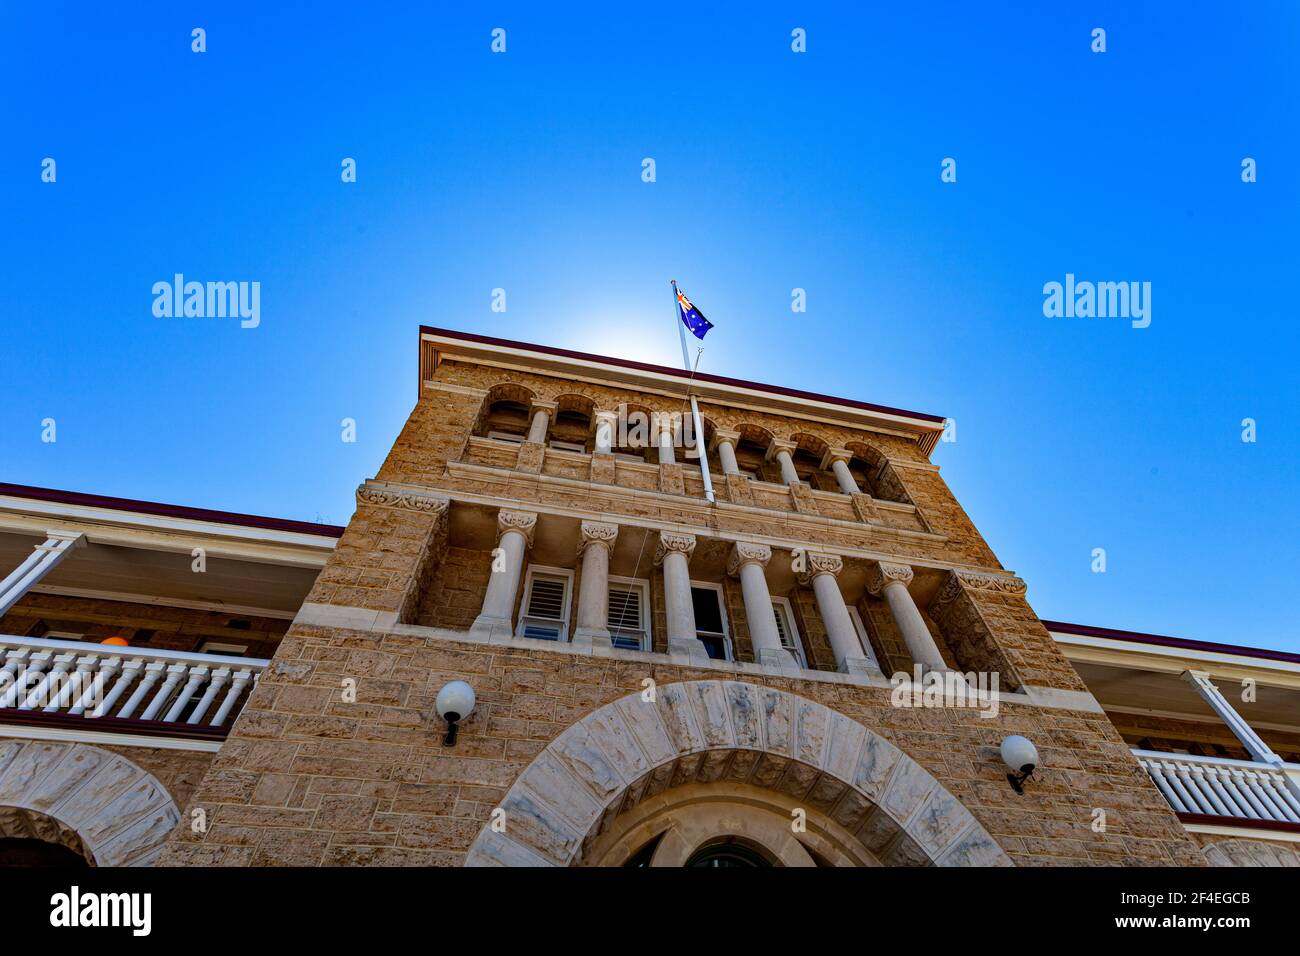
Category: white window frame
<point>563,623</point>
<point>568,446</point>
<point>507,437</point>
<point>220,647</point>
<point>860,626</point>
<point>799,653</point>
<point>642,585</point>
<point>727,646</point>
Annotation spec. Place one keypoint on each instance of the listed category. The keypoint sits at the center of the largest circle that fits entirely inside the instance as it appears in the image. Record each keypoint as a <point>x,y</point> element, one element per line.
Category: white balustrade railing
<point>40,675</point>
<point>1215,786</point>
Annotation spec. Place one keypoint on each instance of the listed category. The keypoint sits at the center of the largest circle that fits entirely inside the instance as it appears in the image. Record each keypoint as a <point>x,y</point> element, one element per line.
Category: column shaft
<point>593,590</point>
<point>844,477</point>
<point>850,656</point>
<point>665,442</point>
<point>788,474</point>
<point>605,425</point>
<point>540,426</point>
<point>727,454</point>
<point>515,537</point>
<point>920,642</point>
<point>677,598</point>
<point>747,561</point>
<point>503,585</point>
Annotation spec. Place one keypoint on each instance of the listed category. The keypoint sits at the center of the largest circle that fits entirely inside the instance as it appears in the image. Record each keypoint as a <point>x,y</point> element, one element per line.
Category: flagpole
<point>698,426</point>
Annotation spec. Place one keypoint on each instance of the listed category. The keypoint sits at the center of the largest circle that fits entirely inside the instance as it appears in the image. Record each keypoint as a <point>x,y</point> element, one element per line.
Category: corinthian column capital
<point>598,533</point>
<point>743,554</point>
<point>524,522</point>
<point>883,573</point>
<point>819,564</point>
<point>670,542</point>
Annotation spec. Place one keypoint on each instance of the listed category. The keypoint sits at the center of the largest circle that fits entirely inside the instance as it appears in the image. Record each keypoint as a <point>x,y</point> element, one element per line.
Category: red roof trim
<point>168,511</point>
<point>679,373</point>
<point>1213,820</point>
<point>114,725</point>
<point>1136,637</point>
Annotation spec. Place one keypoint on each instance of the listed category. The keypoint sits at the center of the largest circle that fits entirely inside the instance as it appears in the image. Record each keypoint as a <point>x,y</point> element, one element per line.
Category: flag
<point>692,317</point>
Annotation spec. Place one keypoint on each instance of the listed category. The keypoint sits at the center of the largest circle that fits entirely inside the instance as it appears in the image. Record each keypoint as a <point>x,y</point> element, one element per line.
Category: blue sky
<point>775,170</point>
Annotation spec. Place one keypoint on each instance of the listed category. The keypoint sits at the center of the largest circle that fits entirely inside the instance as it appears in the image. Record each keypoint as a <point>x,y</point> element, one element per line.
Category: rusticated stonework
<point>969,634</point>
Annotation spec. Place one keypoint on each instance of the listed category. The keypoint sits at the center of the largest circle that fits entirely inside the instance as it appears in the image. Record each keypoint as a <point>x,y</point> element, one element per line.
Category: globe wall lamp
<point>1021,756</point>
<point>454,702</point>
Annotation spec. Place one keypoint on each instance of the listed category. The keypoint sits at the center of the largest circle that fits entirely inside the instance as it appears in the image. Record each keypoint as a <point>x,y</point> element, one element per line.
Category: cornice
<point>389,495</point>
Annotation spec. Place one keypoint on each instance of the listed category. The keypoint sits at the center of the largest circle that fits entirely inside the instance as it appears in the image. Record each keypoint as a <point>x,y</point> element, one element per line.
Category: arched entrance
<point>96,803</point>
<point>728,755</point>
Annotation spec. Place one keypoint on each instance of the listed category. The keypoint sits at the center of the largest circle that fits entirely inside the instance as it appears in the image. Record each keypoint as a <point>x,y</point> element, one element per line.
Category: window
<point>710,620</point>
<point>217,647</point>
<point>785,628</point>
<point>862,634</point>
<point>568,446</point>
<point>506,436</point>
<point>545,614</point>
<point>627,621</point>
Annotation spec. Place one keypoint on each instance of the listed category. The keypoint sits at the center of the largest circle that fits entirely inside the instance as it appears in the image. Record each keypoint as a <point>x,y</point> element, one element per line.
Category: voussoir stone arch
<point>509,392</point>
<point>712,730</point>
<point>95,801</point>
<point>1250,853</point>
<point>812,444</point>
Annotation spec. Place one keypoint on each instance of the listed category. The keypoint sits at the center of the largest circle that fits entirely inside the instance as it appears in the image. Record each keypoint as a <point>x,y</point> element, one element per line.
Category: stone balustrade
<point>646,476</point>
<point>73,679</point>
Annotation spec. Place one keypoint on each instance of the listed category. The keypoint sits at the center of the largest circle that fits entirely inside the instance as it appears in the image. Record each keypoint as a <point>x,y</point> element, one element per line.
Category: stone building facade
<point>662,678</point>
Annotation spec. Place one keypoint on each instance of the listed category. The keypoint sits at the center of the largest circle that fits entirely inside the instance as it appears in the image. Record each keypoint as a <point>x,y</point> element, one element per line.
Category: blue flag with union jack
<point>692,317</point>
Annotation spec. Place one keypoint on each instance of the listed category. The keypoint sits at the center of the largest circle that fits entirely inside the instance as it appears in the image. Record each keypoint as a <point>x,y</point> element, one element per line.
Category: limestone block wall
<point>314,776</point>
<point>308,778</point>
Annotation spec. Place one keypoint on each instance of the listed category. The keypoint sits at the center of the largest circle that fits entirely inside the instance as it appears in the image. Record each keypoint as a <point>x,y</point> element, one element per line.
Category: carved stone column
<point>851,656</point>
<point>665,437</point>
<point>892,580</point>
<point>514,537</point>
<point>606,427</point>
<point>725,443</point>
<point>783,452</point>
<point>593,591</point>
<point>674,553</point>
<point>837,460</point>
<point>543,412</point>
<point>747,562</point>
